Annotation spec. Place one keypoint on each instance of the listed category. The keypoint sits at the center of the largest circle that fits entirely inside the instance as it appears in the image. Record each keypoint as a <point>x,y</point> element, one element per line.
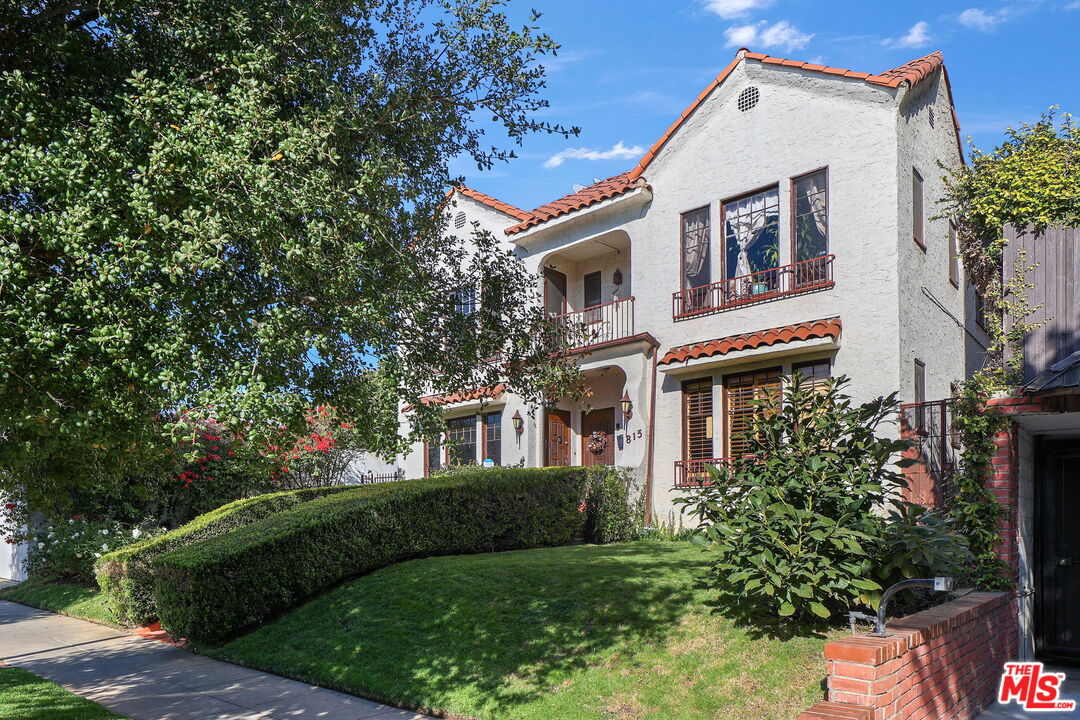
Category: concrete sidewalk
<point>143,679</point>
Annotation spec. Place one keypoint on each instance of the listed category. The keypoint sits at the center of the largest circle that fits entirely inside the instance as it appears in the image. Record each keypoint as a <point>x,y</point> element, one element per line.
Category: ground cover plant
<point>577,633</point>
<point>79,601</point>
<point>25,696</point>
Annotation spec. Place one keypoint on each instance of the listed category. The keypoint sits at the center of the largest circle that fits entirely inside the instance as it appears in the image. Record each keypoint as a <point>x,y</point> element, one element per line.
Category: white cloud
<point>1073,6</point>
<point>781,34</point>
<point>917,36</point>
<point>618,150</point>
<point>979,19</point>
<point>729,9</point>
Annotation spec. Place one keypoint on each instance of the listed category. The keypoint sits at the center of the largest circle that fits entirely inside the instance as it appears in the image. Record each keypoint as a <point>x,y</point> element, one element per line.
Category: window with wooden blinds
<point>698,420</point>
<point>740,393</point>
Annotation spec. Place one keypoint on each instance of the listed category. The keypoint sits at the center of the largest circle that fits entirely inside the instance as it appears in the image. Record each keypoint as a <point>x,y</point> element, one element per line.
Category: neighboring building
<point>786,221</point>
<point>1037,466</point>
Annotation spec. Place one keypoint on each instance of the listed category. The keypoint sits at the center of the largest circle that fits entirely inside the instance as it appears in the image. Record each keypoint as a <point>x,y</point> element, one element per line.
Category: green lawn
<point>586,632</point>
<point>86,603</point>
<point>25,696</point>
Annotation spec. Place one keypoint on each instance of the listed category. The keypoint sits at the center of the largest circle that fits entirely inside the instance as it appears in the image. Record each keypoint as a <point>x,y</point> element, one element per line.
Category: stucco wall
<point>868,137</point>
<point>926,329</point>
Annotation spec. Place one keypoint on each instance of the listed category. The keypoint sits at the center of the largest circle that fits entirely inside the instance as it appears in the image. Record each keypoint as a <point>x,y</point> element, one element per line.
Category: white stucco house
<point>785,221</point>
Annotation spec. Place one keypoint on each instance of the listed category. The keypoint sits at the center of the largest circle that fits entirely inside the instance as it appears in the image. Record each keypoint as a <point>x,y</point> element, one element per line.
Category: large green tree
<point>235,208</point>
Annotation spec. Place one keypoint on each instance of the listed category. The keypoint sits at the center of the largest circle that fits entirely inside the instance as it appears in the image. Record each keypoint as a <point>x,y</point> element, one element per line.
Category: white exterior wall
<point>925,329</point>
<point>12,558</point>
<point>804,121</point>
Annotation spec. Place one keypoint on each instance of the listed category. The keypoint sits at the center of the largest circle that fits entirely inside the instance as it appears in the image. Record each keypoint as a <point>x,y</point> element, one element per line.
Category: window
<point>752,234</point>
<point>695,248</point>
<point>592,289</point>
<point>814,373</point>
<point>698,420</point>
<point>980,308</point>
<point>461,441</point>
<point>740,395</point>
<point>432,456</point>
<point>920,381</point>
<point>464,302</point>
<point>917,209</point>
<point>810,214</point>
<point>493,437</point>
<point>954,257</point>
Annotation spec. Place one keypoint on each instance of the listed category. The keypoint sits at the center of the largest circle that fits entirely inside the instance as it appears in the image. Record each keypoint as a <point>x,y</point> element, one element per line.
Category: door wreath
<point>597,443</point>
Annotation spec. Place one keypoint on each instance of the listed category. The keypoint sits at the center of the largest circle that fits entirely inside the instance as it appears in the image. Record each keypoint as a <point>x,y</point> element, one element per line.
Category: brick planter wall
<point>941,663</point>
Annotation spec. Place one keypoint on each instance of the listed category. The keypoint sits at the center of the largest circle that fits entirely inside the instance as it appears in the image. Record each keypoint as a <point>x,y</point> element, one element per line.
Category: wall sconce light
<point>626,405</point>
<point>616,277</point>
<point>519,423</point>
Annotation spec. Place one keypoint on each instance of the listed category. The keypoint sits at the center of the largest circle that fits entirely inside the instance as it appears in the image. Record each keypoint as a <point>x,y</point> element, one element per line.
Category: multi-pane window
<point>742,392</point>
<point>917,208</point>
<point>811,215</point>
<point>752,233</point>
<point>698,420</point>
<point>464,301</point>
<point>493,437</point>
<point>432,456</point>
<point>815,374</point>
<point>461,441</point>
<point>592,289</point>
<point>695,248</point>
<point>954,257</point>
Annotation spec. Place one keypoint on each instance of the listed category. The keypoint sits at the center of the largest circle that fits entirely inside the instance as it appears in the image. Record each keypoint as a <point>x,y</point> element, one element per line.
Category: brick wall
<point>940,664</point>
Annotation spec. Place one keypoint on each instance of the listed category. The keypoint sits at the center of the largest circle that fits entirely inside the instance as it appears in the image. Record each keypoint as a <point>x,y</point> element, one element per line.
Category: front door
<point>557,425</point>
<point>1058,565</point>
<point>598,449</point>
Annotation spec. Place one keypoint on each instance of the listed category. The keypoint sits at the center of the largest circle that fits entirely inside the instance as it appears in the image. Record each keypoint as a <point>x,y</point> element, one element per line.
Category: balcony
<point>797,278</point>
<point>597,325</point>
<point>935,448</point>
<point>695,473</point>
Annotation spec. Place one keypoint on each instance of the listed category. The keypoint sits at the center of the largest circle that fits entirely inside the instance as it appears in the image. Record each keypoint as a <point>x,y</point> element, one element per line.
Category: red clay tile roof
<point>491,202</point>
<point>911,73</point>
<point>579,199</point>
<point>829,327</point>
<point>479,393</point>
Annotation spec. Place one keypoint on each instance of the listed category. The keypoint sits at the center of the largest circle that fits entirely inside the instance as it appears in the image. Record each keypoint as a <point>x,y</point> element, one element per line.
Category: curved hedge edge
<point>212,588</point>
<point>124,574</point>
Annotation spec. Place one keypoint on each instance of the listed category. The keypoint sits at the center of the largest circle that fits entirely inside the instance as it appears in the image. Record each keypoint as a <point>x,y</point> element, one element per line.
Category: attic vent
<point>932,119</point>
<point>748,98</point>
<point>459,220</point>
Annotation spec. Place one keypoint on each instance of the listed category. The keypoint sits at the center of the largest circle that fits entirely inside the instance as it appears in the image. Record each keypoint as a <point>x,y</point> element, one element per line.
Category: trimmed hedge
<point>124,575</point>
<point>215,587</point>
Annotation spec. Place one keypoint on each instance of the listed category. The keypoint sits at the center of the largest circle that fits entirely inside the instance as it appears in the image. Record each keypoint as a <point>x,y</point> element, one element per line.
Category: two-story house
<point>784,222</point>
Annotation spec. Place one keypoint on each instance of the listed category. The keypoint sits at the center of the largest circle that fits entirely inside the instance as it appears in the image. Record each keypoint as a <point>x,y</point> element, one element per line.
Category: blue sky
<point>627,68</point>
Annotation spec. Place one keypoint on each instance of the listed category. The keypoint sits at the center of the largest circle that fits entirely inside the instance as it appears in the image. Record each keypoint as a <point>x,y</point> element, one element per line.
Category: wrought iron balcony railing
<point>598,324</point>
<point>800,277</point>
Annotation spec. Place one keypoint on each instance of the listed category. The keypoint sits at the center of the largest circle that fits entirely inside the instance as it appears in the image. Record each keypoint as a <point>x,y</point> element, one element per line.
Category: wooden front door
<point>598,421</point>
<point>1058,562</point>
<point>557,438</point>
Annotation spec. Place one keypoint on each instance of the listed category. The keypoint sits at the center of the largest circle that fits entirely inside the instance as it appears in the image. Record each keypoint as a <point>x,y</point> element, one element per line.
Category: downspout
<point>652,442</point>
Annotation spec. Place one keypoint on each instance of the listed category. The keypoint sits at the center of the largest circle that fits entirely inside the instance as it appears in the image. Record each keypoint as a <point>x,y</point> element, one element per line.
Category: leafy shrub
<point>124,575</point>
<point>916,542</point>
<point>68,549</point>
<point>793,522</point>
<point>610,510</point>
<point>209,589</point>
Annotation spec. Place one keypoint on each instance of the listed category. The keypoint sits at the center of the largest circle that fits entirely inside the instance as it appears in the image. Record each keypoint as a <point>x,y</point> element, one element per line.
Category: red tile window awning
<point>828,328</point>
<point>481,393</point>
